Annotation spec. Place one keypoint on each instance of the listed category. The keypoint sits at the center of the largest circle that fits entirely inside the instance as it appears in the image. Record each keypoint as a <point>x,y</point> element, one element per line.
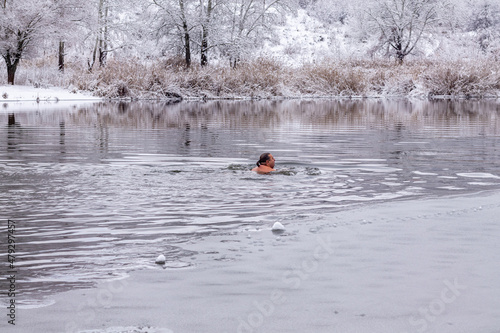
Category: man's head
<point>266,159</point>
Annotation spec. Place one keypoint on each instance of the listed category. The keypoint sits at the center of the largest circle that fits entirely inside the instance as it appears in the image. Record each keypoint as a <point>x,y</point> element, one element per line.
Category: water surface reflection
<point>100,189</point>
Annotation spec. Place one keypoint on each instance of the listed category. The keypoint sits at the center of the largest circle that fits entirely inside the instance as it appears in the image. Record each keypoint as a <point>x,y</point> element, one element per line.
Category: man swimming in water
<point>265,164</point>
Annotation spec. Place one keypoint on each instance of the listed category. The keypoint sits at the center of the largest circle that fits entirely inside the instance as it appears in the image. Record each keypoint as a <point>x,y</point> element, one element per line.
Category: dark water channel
<point>100,189</point>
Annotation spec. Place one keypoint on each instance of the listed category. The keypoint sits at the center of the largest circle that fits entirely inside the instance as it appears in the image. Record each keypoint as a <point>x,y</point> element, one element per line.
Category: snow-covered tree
<point>22,24</point>
<point>331,11</point>
<point>107,26</point>
<point>100,29</point>
<point>203,25</point>
<point>485,22</point>
<point>402,23</point>
<point>174,18</point>
<point>100,48</point>
<point>68,13</point>
<point>207,9</point>
<point>247,21</point>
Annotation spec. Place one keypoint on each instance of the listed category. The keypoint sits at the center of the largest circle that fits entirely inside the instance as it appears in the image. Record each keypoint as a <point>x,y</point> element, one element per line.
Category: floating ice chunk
<point>420,173</point>
<point>278,227</point>
<point>478,175</point>
<point>160,260</point>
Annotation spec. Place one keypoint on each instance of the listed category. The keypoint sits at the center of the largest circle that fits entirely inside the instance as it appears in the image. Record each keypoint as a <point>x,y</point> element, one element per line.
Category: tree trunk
<point>61,56</point>
<point>104,39</point>
<point>187,46</point>
<point>398,46</point>
<point>204,35</point>
<point>11,73</point>
<point>100,43</point>
<point>400,57</point>
<point>187,38</point>
<point>102,57</point>
<point>91,61</point>
<point>11,66</point>
<point>233,62</point>
<point>204,47</point>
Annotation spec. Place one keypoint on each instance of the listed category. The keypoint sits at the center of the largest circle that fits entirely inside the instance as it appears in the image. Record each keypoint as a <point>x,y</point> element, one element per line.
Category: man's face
<point>270,162</point>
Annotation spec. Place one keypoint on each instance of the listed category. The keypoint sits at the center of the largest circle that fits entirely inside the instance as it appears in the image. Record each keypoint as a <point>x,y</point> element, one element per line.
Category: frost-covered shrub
<point>333,78</point>
<point>323,78</point>
<point>262,76</point>
<point>174,63</point>
<point>268,78</point>
<point>122,89</point>
<point>463,79</point>
<point>353,82</point>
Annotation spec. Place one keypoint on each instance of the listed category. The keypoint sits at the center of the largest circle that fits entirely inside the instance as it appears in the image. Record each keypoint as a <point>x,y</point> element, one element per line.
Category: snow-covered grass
<point>469,79</point>
<point>267,78</point>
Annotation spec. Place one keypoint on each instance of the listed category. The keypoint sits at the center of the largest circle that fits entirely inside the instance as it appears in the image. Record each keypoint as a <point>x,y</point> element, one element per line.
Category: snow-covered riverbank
<point>14,93</point>
<point>26,98</point>
<point>268,78</point>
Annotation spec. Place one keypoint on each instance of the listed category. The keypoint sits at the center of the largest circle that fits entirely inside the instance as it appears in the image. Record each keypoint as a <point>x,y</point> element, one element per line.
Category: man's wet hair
<point>263,158</point>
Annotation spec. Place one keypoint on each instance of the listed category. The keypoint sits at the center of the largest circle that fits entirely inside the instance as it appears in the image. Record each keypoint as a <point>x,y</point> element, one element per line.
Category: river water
<point>98,190</point>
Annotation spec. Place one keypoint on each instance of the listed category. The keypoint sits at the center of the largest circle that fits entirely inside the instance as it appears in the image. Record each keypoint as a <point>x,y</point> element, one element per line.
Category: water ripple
<point>94,198</point>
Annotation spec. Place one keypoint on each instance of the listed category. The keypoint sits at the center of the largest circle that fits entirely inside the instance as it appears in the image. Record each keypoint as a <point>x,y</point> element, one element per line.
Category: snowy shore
<point>16,98</point>
<point>409,266</point>
<point>14,93</point>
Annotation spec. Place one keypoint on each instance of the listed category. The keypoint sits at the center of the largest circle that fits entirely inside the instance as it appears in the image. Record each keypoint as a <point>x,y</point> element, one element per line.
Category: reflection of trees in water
<point>21,140</point>
<point>14,132</point>
<point>11,120</point>
<point>314,114</point>
<point>62,137</point>
<point>17,136</point>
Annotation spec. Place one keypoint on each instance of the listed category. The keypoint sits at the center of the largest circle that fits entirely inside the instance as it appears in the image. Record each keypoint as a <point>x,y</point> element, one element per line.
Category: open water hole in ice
<point>96,190</point>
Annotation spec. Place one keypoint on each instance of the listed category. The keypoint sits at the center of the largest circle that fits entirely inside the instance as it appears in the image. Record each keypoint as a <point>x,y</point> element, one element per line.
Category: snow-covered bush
<point>463,79</point>
<point>269,78</point>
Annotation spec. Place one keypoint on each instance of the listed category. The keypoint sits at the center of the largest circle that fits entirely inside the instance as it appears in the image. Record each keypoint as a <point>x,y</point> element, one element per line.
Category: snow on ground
<point>28,98</point>
<point>13,93</point>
